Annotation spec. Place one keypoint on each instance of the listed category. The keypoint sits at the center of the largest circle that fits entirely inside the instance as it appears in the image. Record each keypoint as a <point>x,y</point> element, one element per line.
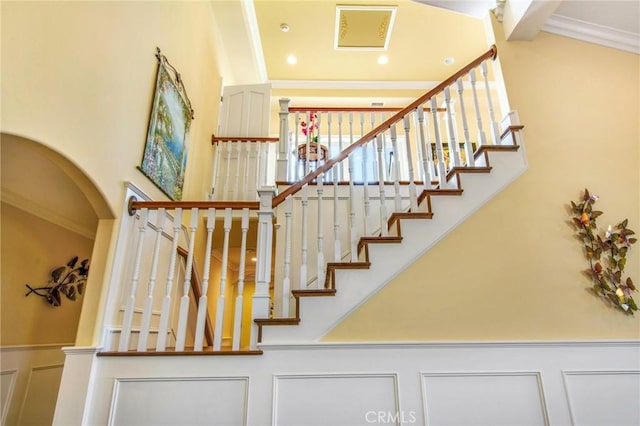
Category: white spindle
<point>442,173</point>
<point>384,230</point>
<point>283,142</point>
<point>148,303</point>
<point>320,239</point>
<point>495,132</point>
<point>263,157</point>
<point>337,249</point>
<point>237,321</point>
<point>249,164</point>
<point>304,241</point>
<point>340,171</point>
<point>286,282</point>
<point>204,300</point>
<point>307,162</point>
<point>425,142</point>
<point>227,180</point>
<point>186,287</point>
<point>454,158</point>
<point>163,329</point>
<point>296,137</point>
<point>352,205</point>
<point>482,139</point>
<point>217,334</point>
<point>468,147</point>
<point>365,178</point>
<point>129,306</point>
<point>238,177</point>
<point>216,169</point>
<point>413,196</point>
<point>396,166</point>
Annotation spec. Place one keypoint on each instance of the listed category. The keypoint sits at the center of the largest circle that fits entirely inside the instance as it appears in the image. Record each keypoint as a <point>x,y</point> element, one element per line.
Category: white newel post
<point>283,143</point>
<point>261,296</point>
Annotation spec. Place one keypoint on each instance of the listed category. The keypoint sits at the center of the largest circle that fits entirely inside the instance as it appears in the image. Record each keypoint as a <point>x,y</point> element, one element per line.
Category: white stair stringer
<point>318,315</point>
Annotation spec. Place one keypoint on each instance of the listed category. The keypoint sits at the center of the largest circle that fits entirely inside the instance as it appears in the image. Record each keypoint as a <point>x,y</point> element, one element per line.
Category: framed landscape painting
<point>165,152</point>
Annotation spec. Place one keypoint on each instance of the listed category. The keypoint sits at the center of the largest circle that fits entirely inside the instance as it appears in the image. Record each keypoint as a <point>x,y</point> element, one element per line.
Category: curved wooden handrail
<point>215,139</point>
<point>236,205</point>
<point>491,53</point>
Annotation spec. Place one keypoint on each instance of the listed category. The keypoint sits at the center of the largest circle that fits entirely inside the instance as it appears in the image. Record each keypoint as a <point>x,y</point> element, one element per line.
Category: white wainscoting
<point>464,384</point>
<point>180,401</point>
<point>30,378</point>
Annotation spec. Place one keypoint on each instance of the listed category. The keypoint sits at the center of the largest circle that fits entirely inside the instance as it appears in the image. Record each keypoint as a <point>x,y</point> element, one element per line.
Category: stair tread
<point>387,239</point>
<point>314,292</point>
<point>348,265</point>
<point>443,191</point>
<point>277,321</point>
<point>412,215</point>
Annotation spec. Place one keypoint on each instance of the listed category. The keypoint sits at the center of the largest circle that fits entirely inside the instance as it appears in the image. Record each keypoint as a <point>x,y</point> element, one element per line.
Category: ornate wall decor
<point>165,152</point>
<point>606,253</point>
<point>68,280</point>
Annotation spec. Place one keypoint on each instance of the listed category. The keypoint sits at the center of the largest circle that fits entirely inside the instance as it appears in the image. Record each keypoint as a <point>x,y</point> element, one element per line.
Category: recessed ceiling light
<point>450,60</point>
<point>284,27</point>
<point>383,59</point>
<point>291,59</point>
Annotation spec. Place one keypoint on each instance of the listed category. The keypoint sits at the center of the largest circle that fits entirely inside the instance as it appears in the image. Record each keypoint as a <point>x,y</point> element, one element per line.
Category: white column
<point>468,147</point>
<point>261,296</point>
<point>217,334</point>
<point>384,230</point>
<point>163,329</point>
<point>454,158</point>
<point>396,169</point>
<point>203,302</point>
<point>286,282</point>
<point>482,138</point>
<point>413,196</point>
<point>186,287</point>
<point>495,132</point>
<point>283,142</point>
<point>442,172</point>
<point>237,321</point>
<point>320,239</point>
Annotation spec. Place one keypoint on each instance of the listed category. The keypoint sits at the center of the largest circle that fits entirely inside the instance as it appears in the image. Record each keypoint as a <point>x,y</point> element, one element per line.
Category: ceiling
<point>422,37</point>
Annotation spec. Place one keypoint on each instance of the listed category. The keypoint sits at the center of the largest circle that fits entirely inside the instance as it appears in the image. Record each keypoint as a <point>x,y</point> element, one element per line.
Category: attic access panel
<point>363,27</point>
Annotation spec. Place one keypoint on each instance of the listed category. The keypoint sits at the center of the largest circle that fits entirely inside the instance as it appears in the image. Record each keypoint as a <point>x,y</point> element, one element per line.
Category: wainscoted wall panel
<point>42,392</point>
<point>402,384</point>
<point>488,398</point>
<point>589,391</point>
<point>180,401</point>
<point>333,399</point>
<point>7,385</point>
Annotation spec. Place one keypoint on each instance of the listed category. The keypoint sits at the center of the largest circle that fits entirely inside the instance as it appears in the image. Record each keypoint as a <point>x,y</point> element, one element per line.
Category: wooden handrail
<point>351,109</point>
<point>491,53</point>
<point>196,287</point>
<point>215,139</point>
<point>134,204</point>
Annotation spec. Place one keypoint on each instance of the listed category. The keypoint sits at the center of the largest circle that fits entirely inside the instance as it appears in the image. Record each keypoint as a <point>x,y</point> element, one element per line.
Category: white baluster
<point>237,321</point>
<point>413,197</point>
<point>296,136</point>
<point>204,299</point>
<point>238,177</point>
<point>340,171</point>
<point>365,178</point>
<point>148,303</point>
<point>263,160</point>
<point>308,148</point>
<point>396,165</point>
<point>337,249</point>
<point>329,146</point>
<point>454,157</point>
<point>320,239</point>
<point>384,230</point>
<point>442,172</point>
<point>217,334</point>
<point>186,287</point>
<point>495,132</point>
<point>352,205</point>
<point>248,166</point>
<point>163,329</point>
<point>468,147</point>
<point>482,139</point>
<point>286,282</point>
<point>227,194</point>
<point>304,242</point>
<point>425,152</point>
<point>127,321</point>
<point>216,169</point>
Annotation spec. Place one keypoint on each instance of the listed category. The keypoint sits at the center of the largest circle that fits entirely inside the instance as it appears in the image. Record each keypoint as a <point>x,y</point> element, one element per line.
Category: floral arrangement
<point>68,280</point>
<point>309,129</point>
<point>607,255</point>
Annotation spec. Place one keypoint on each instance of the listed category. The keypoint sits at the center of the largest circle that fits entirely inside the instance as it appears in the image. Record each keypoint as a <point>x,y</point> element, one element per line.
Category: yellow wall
<point>513,270</point>
<point>31,320</point>
<point>79,78</point>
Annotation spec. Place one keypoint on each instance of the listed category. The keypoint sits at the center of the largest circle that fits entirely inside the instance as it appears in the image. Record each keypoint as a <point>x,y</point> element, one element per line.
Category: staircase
<point>325,243</point>
<point>381,258</point>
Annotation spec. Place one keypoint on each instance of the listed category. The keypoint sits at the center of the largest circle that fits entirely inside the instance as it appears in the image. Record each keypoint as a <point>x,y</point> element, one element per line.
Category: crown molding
<point>593,33</point>
<point>352,85</point>
<point>44,212</point>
